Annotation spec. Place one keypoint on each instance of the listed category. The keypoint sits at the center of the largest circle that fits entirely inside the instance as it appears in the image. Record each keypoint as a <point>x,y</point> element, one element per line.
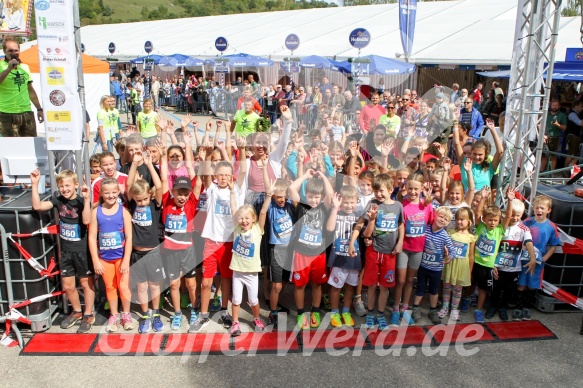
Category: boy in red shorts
<point>309,243</point>
<point>385,225</point>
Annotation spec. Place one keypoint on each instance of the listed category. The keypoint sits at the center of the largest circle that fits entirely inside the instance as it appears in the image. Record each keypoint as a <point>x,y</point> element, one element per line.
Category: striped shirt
<point>433,251</point>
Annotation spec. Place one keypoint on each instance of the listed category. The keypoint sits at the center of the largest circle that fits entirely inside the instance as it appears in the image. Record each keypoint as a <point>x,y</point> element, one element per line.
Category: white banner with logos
<point>58,74</point>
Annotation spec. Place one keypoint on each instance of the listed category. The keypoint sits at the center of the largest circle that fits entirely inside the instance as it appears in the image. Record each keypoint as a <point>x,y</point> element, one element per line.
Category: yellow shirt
<point>148,124</point>
<point>246,250</point>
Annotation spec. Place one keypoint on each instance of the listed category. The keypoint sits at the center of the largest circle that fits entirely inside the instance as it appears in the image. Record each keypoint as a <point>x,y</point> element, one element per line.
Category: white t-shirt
<point>337,132</point>
<point>509,252</point>
<point>219,225</point>
<point>362,202</point>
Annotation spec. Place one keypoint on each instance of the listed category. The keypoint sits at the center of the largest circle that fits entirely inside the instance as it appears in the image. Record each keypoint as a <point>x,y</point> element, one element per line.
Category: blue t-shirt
<point>433,251</point>
<point>543,234</point>
<point>281,221</point>
<point>482,177</point>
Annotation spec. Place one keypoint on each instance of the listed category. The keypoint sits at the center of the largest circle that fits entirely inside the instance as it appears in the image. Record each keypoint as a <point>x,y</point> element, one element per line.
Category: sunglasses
<point>390,107</point>
<point>467,103</point>
<point>405,99</point>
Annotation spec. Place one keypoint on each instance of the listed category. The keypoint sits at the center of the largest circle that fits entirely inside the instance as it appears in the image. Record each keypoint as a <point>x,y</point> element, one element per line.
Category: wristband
<point>407,138</point>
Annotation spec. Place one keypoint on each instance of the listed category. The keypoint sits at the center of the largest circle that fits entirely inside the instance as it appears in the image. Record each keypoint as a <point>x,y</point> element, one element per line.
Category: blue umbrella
<point>387,66</point>
<point>243,60</point>
<point>140,60</point>
<point>341,66</point>
<point>316,62</point>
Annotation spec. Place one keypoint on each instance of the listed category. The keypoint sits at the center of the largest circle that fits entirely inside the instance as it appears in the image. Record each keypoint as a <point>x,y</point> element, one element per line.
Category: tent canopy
<point>91,65</point>
<point>243,60</point>
<point>316,62</point>
<point>563,71</point>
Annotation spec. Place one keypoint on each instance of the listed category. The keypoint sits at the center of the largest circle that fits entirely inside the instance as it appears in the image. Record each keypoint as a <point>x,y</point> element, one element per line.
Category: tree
<point>572,8</point>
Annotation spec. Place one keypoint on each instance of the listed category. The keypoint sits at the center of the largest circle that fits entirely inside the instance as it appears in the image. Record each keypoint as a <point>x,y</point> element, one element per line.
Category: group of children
<point>230,209</point>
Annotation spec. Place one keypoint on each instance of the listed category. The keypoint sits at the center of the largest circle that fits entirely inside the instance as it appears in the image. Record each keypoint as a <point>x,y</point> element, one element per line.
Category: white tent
<point>464,32</point>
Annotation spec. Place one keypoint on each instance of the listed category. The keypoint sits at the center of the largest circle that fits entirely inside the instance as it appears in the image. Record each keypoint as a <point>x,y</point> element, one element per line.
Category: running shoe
<point>416,314</point>
<point>479,316</point>
<point>434,317</point>
<point>157,323</point>
<point>303,321</point>
<point>127,322</point>
<point>71,319</point>
<point>517,315</point>
<point>455,315</point>
<point>112,323</point>
<point>235,330</point>
<point>490,312</point>
<point>176,322</point>
<point>259,325</point>
<point>503,314</point>
<point>526,315</point>
<point>315,320</point>
<point>226,318</point>
<point>382,322</point>
<point>193,316</point>
<point>335,320</point>
<point>358,306</point>
<point>347,318</point>
<point>272,320</point>
<point>407,318</point>
<point>86,324</point>
<point>395,318</point>
<point>443,312</point>
<point>465,305</point>
<point>198,324</point>
<point>370,322</point>
<point>144,323</point>
<point>216,303</point>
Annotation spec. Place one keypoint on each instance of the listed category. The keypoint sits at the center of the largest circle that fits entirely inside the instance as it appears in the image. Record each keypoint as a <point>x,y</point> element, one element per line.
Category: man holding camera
<point>16,94</point>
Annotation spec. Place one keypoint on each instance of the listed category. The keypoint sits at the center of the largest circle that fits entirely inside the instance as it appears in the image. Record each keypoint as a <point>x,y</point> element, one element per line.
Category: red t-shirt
<point>178,221</point>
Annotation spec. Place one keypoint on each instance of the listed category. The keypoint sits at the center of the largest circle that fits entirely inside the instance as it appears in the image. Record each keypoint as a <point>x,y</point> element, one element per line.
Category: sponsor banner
<point>15,16</point>
<point>359,38</point>
<point>292,42</point>
<point>407,16</point>
<point>58,73</point>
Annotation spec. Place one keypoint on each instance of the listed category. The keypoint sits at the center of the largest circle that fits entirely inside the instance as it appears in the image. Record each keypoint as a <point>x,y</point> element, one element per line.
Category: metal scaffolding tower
<point>537,27</point>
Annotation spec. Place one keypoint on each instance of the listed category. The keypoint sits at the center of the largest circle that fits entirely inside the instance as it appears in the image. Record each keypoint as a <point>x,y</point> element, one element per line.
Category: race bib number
<point>142,216</point>
<point>243,247</point>
<point>283,226</point>
<point>110,240</point>
<point>414,228</point>
<point>222,207</point>
<point>525,256</point>
<point>460,250</point>
<point>176,223</point>
<point>485,246</point>
<point>310,236</point>
<point>506,260</point>
<point>201,205</point>
<point>341,247</point>
<point>386,223</point>
<point>70,232</point>
<point>432,258</point>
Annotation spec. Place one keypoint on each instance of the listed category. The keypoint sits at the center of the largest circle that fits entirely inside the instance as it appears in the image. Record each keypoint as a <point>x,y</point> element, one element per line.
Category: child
<point>74,214</point>
<point>457,273</point>
<point>178,212</point>
<point>135,144</point>
<point>111,228</point>
<point>246,263</point>
<point>109,168</point>
<point>95,167</point>
<point>489,232</point>
<point>508,264</point>
<point>385,225</point>
<point>146,261</point>
<point>400,189</point>
<point>432,261</point>
<point>417,215</point>
<point>338,131</point>
<point>281,216</point>
<point>345,269</point>
<point>309,240</point>
<point>545,237</point>
<point>218,235</point>
<point>452,194</point>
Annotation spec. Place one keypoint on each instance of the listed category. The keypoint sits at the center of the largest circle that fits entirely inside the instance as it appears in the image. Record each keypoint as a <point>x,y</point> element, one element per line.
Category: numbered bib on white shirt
<point>506,259</point>
<point>414,228</point>
<point>201,206</point>
<point>110,240</point>
<point>70,232</point>
<point>243,247</point>
<point>223,207</point>
<point>176,223</point>
<point>142,216</point>
<point>310,236</point>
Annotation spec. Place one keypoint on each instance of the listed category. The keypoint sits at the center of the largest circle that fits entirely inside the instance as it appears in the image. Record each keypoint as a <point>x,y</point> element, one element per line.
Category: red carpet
<point>335,340</point>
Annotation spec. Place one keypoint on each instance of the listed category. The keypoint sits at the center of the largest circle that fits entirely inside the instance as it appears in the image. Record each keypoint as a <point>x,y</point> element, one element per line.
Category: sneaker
<point>407,318</point>
<point>144,323</point>
<point>490,312</point>
<point>127,321</point>
<point>235,330</point>
<point>198,324</point>
<point>227,320</point>
<point>335,320</point>
<point>71,319</point>
<point>526,315</point>
<point>434,317</point>
<point>157,324</point>
<point>304,321</point>
<point>455,315</point>
<point>479,316</point>
<point>503,314</point>
<point>259,325</point>
<point>382,322</point>
<point>272,320</point>
<point>395,318</point>
<point>517,315</point>
<point>326,300</point>
<point>176,322</point>
<point>416,314</point>
<point>347,318</point>
<point>371,321</point>
<point>112,323</point>
<point>443,312</point>
<point>193,316</point>
<point>358,306</point>
<point>465,305</point>
<point>86,324</point>
<point>315,320</point>
<point>216,303</point>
